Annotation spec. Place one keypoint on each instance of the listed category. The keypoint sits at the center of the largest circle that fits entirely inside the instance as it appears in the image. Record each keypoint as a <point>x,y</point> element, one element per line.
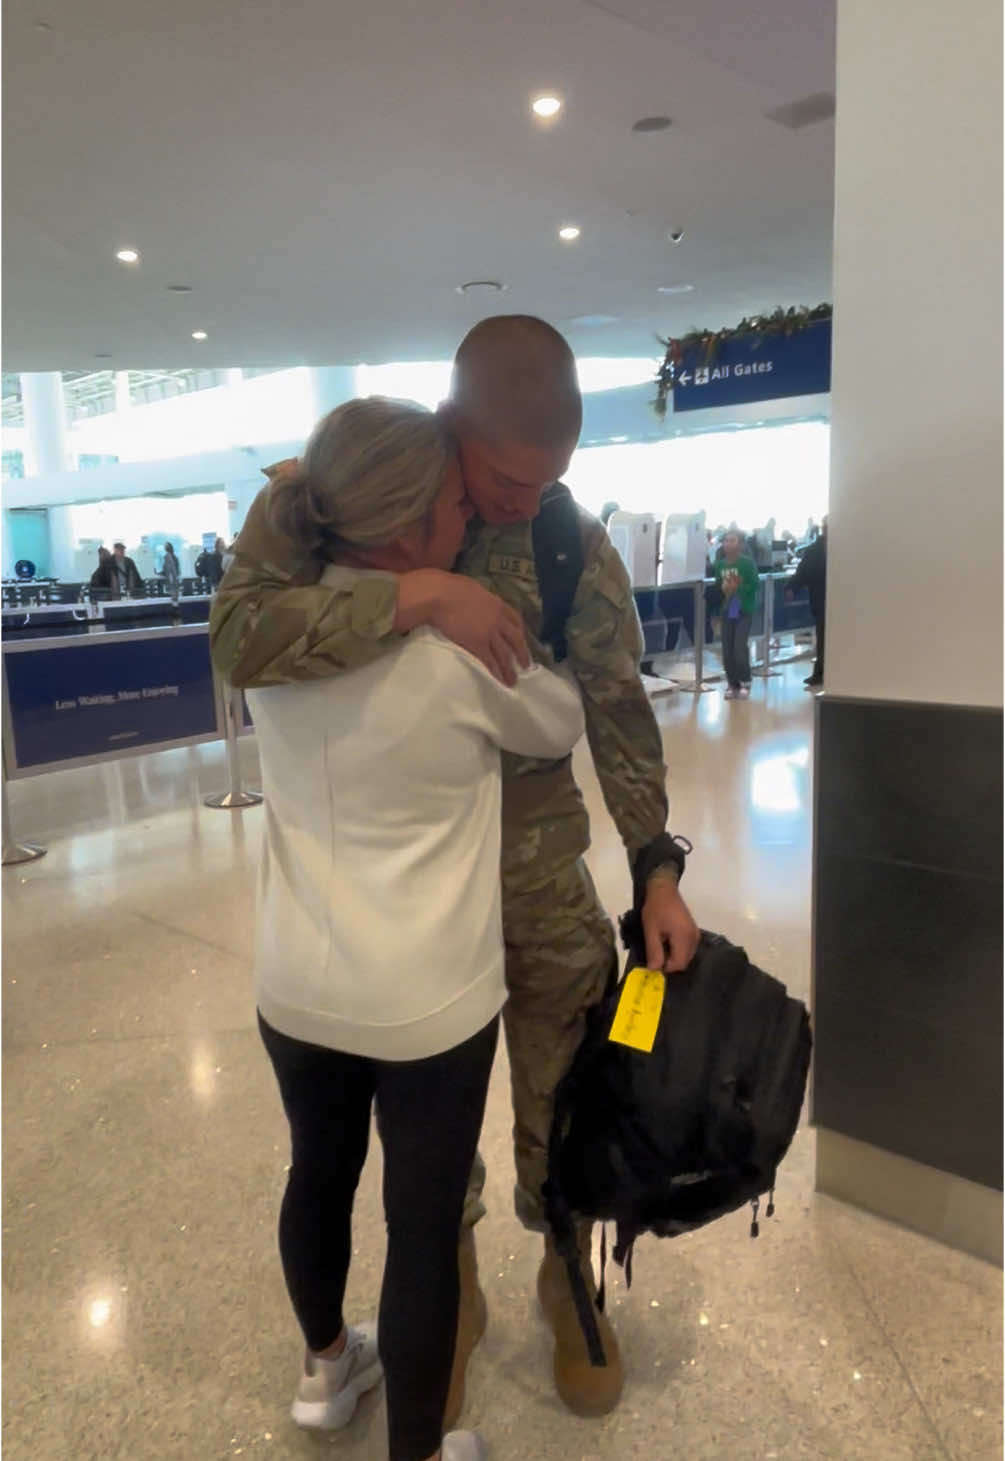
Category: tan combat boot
<point>587,1390</point>
<point>472,1321</point>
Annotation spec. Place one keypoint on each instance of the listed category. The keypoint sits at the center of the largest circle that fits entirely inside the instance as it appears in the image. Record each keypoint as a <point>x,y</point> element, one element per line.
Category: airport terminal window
<point>159,385</point>
<point>88,393</point>
<point>13,464</point>
<point>88,460</point>
<point>744,476</point>
<point>13,406</point>
<point>138,521</point>
<point>428,381</point>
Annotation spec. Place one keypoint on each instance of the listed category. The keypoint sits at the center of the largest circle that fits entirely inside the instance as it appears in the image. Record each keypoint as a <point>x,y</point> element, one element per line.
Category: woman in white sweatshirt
<point>379,966</point>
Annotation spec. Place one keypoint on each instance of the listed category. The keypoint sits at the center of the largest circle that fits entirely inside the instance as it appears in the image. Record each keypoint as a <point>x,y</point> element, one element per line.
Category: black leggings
<point>429,1115</point>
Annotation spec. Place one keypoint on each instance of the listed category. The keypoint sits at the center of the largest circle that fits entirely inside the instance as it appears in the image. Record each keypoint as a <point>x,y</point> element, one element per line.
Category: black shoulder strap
<point>558,556</point>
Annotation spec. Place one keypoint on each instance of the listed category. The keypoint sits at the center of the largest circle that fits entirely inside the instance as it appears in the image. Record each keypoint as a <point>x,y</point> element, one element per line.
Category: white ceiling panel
<point>325,176</point>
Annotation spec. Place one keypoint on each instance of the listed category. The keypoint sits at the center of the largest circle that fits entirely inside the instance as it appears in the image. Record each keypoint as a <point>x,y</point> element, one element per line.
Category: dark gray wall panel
<point>908,931</point>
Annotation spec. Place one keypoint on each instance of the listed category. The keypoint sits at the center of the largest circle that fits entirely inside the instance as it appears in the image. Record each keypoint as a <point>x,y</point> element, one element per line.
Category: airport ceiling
<point>318,180</point>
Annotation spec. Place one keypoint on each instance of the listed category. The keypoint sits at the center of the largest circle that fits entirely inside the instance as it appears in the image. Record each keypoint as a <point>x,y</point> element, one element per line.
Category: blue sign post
<point>757,367</point>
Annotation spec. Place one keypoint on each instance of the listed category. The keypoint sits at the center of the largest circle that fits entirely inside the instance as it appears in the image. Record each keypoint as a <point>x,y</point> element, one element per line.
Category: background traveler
<point>737,579</point>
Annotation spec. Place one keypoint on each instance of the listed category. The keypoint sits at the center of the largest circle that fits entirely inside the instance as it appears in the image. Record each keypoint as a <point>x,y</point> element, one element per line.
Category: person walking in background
<point>128,574</point>
<point>171,571</point>
<point>737,578</point>
<point>379,952</point>
<point>812,575</point>
<point>209,565</point>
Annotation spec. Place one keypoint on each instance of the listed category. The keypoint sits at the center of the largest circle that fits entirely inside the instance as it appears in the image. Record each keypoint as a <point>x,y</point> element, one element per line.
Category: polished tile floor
<point>144,1149</point>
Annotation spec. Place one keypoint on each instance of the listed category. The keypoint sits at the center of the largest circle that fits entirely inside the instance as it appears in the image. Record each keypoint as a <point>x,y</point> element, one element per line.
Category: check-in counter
<point>48,620</point>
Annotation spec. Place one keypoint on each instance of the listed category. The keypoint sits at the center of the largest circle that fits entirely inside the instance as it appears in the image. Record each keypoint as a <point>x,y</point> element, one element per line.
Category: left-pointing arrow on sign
<point>683,379</point>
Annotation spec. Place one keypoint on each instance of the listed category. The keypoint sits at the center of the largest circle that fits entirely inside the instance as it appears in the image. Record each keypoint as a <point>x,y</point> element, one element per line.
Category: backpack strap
<point>559,1214</point>
<point>563,1232</point>
<point>558,556</point>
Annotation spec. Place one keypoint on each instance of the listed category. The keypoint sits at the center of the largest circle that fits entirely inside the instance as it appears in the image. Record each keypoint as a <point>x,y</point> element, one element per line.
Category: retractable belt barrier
<point>79,701</point>
<point>772,616</point>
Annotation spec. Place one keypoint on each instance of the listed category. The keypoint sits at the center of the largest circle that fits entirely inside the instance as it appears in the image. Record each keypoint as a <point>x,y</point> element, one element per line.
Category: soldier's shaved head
<point>515,382</point>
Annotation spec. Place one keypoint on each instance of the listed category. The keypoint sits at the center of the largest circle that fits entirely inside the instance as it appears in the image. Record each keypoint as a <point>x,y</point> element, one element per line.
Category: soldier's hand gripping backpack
<point>667,1139</point>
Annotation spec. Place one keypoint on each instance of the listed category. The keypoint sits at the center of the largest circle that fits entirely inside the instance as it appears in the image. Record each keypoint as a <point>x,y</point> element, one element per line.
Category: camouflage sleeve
<point>605,647</point>
<point>272,621</point>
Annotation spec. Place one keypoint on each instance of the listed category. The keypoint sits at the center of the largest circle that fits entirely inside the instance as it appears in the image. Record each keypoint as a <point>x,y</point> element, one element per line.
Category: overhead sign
<point>756,368</point>
<point>108,696</point>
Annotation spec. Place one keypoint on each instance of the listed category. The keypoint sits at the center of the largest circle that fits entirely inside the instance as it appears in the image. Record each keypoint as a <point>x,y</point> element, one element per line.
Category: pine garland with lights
<point>780,322</point>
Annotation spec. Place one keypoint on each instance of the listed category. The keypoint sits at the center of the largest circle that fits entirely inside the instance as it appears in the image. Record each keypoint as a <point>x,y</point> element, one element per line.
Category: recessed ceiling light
<point>675,289</point>
<point>199,335</point>
<point>547,106</point>
<point>594,320</point>
<point>569,232</point>
<point>481,286</point>
<point>128,256</point>
<point>178,288</point>
<point>652,124</point>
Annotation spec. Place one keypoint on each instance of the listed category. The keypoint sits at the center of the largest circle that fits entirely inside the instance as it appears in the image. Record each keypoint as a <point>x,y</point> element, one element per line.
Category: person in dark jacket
<point>104,576</point>
<point>209,565</point>
<point>127,572</point>
<point>812,575</point>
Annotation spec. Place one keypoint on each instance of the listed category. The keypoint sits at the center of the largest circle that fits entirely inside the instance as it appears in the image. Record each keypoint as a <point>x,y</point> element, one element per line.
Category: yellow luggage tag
<point>638,1014</point>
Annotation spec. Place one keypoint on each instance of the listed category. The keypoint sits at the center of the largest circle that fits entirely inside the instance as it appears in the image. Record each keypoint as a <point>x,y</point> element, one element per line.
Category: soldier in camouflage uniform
<point>272,623</point>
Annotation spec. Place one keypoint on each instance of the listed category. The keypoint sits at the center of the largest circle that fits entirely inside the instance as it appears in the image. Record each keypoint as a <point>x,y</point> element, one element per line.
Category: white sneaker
<point>731,695</point>
<point>463,1446</point>
<point>329,1390</point>
<point>743,693</point>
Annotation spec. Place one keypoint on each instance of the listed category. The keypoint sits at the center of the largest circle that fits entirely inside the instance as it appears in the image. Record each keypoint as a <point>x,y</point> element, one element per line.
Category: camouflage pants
<point>559,956</point>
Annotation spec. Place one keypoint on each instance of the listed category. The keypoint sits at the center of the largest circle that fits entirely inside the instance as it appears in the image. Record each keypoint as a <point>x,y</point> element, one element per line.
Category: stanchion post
<point>14,851</point>
<point>765,671</point>
<point>235,798</point>
<point>699,631</point>
<point>697,685</point>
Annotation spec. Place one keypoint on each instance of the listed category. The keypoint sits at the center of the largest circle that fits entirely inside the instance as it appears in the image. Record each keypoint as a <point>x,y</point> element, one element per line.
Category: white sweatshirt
<point>379,919</point>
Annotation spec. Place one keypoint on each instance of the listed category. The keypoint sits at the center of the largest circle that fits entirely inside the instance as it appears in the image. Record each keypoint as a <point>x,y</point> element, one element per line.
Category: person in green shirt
<point>738,580</point>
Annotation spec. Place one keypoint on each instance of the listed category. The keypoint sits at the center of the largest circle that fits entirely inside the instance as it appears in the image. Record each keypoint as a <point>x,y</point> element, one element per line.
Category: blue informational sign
<point>106,697</point>
<point>756,368</point>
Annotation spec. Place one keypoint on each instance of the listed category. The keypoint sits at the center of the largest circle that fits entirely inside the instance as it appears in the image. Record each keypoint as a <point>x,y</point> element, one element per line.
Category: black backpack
<point>558,558</point>
<point>668,1141</point>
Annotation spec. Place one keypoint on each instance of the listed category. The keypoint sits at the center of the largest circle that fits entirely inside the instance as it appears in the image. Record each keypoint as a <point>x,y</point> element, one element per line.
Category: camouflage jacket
<point>273,623</point>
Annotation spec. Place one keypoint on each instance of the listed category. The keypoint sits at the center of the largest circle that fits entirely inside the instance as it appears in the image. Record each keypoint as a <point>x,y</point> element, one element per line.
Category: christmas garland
<point>779,322</point>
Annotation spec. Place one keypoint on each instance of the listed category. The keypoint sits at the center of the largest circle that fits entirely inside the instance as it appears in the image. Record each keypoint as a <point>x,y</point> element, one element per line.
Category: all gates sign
<point>755,368</point>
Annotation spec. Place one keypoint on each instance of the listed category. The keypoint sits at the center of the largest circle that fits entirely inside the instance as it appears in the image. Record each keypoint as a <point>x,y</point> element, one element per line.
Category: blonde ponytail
<point>371,468</point>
